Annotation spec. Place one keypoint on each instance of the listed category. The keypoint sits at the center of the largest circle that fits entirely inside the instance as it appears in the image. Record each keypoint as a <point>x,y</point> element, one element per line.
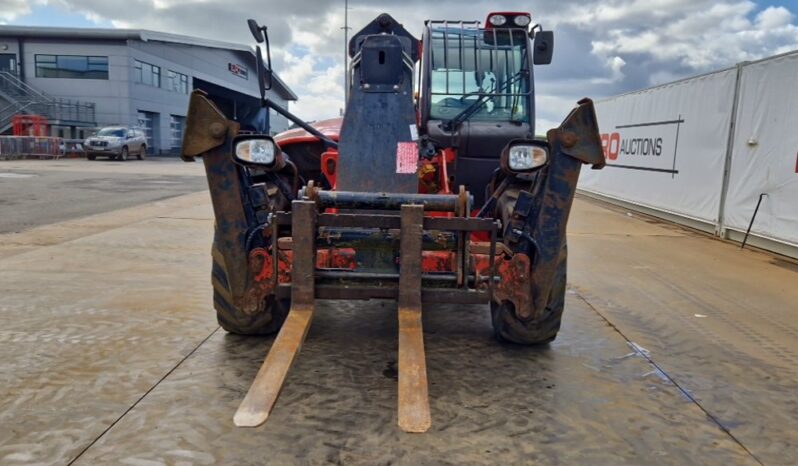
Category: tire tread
<point>235,320</point>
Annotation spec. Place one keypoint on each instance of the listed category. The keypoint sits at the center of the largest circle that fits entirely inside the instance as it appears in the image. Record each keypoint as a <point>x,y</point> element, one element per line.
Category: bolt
<point>568,138</point>
<point>217,130</point>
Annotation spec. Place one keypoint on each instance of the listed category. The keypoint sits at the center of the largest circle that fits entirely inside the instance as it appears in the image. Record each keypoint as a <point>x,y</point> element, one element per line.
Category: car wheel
<point>123,155</point>
<point>142,152</point>
<point>91,157</point>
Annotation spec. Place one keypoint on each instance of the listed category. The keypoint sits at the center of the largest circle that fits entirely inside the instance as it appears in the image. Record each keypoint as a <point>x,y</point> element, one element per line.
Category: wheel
<point>123,155</point>
<point>142,152</point>
<point>508,327</point>
<point>91,157</point>
<point>235,320</point>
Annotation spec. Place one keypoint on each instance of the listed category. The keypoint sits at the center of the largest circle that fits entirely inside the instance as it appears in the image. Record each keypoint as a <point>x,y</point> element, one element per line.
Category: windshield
<point>469,63</point>
<point>115,132</point>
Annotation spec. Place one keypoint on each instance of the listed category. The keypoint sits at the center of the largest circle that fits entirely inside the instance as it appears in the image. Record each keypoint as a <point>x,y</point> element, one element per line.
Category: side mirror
<point>256,31</point>
<point>261,35</point>
<point>543,47</point>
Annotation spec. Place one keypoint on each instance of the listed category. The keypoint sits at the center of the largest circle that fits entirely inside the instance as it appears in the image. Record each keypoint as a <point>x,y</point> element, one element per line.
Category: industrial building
<point>79,79</point>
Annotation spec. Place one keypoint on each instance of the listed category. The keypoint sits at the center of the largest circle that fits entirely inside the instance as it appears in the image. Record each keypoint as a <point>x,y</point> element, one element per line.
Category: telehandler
<point>432,188</point>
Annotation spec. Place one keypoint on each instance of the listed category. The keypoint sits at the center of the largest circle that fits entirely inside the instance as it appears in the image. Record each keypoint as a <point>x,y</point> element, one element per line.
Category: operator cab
<point>477,90</point>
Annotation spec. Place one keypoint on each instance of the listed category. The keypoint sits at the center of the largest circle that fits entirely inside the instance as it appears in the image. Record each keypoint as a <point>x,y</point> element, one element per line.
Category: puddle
<point>390,370</point>
<point>639,349</point>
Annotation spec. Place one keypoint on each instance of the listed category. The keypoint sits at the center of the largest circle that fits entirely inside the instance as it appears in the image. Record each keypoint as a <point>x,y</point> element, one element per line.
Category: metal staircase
<point>17,97</point>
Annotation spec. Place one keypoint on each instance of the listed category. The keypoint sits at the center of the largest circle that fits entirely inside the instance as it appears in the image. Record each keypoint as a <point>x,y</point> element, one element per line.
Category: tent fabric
<point>666,146</point>
<point>765,151</point>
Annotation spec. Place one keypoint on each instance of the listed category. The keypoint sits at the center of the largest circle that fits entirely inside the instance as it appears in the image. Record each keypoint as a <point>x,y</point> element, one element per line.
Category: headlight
<point>498,20</point>
<point>521,156</point>
<point>522,21</point>
<point>256,151</point>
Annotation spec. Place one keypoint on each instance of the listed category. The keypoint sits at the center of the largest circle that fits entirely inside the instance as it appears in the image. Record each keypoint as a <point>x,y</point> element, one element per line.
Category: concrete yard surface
<point>69,188</point>
<point>675,349</point>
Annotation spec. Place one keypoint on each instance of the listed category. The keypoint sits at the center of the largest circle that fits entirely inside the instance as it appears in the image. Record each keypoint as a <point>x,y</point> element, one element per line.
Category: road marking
<point>131,407</point>
<point>15,175</point>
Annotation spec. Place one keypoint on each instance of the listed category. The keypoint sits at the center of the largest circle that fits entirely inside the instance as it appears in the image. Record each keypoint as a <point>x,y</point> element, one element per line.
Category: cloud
<point>602,47</point>
<point>10,10</point>
<point>690,38</point>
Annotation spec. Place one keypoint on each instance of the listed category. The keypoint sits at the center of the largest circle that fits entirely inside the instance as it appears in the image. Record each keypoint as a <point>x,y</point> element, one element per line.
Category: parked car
<point>117,143</point>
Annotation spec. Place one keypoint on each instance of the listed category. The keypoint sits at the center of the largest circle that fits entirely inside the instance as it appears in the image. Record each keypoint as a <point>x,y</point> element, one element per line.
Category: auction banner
<point>666,146</point>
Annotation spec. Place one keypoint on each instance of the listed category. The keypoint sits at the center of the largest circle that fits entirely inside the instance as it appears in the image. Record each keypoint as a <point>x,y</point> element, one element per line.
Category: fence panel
<point>12,147</point>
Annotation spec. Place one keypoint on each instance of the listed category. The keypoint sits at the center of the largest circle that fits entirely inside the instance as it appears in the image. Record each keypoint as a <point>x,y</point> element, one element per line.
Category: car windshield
<point>469,63</point>
<point>114,132</point>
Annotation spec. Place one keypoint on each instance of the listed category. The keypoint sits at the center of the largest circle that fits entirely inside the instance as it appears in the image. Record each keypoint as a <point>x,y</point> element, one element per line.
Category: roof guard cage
<point>447,23</point>
<point>500,44</point>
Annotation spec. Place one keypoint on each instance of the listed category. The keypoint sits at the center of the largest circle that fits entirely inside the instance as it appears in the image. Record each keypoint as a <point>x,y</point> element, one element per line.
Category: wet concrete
<point>111,355</point>
<point>38,192</point>
<point>90,324</point>
<point>723,323</point>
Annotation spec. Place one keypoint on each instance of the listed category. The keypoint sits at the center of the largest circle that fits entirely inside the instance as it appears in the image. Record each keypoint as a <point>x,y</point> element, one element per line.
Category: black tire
<point>91,157</point>
<point>235,320</point>
<point>142,153</point>
<point>508,327</point>
<point>123,155</point>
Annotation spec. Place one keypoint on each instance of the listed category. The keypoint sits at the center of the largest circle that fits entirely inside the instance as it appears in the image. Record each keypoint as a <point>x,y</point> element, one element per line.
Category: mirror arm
<point>268,56</point>
<point>328,143</point>
<point>266,102</point>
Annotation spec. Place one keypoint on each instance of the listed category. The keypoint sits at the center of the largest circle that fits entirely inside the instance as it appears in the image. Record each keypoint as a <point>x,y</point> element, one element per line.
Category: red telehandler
<point>437,192</point>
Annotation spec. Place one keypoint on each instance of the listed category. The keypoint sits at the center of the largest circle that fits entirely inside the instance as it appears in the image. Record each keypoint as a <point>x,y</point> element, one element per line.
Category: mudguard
<point>209,135</point>
<point>539,219</point>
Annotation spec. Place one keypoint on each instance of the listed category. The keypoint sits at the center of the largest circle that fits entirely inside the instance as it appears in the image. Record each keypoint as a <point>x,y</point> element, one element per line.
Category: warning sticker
<point>413,132</point>
<point>406,157</point>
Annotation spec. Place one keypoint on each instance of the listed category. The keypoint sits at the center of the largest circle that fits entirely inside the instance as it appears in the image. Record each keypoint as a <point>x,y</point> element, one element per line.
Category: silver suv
<point>116,143</point>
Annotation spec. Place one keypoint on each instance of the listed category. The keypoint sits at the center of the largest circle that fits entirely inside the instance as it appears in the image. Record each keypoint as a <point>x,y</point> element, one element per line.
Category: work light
<point>497,20</point>
<point>521,156</point>
<point>522,20</point>
<point>256,151</point>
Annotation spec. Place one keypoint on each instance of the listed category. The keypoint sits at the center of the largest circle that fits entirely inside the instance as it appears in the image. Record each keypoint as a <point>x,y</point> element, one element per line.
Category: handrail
<point>23,86</point>
<point>24,98</point>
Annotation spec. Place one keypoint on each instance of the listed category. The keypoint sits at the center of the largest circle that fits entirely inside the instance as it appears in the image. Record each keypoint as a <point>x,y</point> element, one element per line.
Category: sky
<point>602,47</point>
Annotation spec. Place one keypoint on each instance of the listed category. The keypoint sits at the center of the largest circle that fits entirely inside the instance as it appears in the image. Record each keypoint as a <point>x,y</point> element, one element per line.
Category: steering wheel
<point>465,97</point>
<point>452,102</point>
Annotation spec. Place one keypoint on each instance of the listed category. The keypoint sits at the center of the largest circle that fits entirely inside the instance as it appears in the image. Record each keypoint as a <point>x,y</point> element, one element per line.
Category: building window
<point>147,74</point>
<point>71,66</point>
<point>176,124</point>
<point>177,82</point>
